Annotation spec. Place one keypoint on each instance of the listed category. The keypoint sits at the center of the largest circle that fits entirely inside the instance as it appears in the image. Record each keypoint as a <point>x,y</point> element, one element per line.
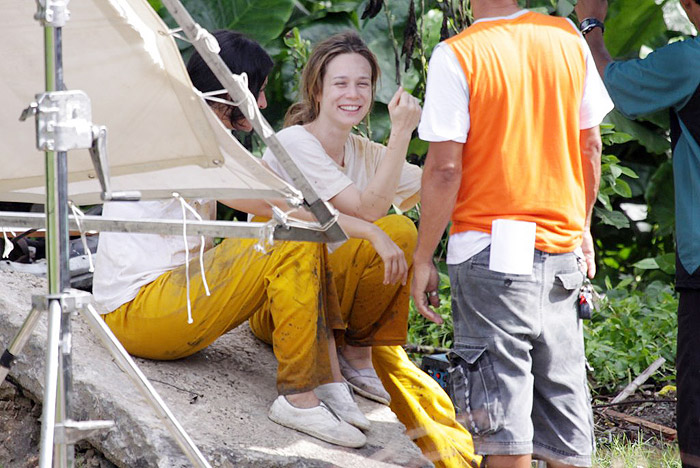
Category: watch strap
<point>588,24</point>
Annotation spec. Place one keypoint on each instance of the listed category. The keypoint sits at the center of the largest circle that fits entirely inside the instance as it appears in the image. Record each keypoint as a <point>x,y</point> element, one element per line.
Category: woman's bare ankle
<point>303,400</point>
<point>359,357</point>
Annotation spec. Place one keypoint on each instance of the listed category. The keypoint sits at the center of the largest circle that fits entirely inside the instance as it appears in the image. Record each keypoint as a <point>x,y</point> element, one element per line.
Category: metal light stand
<point>63,123</point>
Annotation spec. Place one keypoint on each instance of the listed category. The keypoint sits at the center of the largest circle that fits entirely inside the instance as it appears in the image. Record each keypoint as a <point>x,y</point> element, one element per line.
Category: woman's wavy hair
<point>348,42</point>
<point>241,55</point>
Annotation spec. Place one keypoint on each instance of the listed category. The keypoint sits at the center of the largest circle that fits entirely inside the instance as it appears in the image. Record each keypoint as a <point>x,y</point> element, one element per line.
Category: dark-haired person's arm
<point>597,9</point>
<point>663,79</point>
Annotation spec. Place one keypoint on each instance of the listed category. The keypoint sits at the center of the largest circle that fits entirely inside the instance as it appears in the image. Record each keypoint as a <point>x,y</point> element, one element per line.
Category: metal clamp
<point>63,120</point>
<point>52,13</point>
<point>71,300</point>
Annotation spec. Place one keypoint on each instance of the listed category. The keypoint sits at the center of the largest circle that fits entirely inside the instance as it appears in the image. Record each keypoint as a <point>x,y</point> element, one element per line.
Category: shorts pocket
<point>571,281</point>
<point>475,388</point>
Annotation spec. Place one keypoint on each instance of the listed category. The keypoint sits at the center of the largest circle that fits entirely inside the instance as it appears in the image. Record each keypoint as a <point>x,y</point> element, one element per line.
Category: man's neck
<point>493,8</point>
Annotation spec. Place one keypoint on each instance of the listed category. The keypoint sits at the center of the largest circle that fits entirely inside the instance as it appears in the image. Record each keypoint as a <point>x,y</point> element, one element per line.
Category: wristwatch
<point>588,24</point>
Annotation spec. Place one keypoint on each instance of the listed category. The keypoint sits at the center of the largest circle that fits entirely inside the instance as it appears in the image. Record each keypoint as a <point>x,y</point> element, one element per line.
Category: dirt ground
<point>20,433</point>
<point>20,427</point>
<point>660,410</point>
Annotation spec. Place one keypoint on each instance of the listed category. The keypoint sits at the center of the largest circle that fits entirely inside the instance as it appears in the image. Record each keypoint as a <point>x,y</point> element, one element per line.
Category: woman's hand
<point>404,111</point>
<point>395,266</point>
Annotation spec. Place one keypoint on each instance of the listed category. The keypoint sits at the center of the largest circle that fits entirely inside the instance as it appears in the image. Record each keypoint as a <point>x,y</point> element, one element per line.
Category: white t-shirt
<point>125,262</point>
<point>362,158</point>
<point>447,94</point>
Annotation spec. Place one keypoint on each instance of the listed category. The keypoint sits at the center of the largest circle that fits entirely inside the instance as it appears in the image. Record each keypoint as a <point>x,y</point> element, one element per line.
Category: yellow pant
<point>289,284</point>
<point>372,313</point>
<point>425,409</point>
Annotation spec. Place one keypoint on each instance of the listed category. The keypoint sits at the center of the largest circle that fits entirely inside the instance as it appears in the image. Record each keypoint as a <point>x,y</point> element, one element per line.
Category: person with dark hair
<point>159,311</point>
<point>242,55</point>
<point>667,79</point>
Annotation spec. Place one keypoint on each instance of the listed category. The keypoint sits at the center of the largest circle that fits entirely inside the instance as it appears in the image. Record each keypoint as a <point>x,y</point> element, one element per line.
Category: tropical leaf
<point>612,218</point>
<point>647,264</point>
<point>631,24</point>
<point>652,141</point>
<point>262,20</point>
<point>565,7</point>
<point>667,263</point>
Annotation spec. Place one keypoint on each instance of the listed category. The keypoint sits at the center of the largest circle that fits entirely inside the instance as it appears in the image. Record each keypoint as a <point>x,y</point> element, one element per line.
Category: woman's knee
<point>401,230</point>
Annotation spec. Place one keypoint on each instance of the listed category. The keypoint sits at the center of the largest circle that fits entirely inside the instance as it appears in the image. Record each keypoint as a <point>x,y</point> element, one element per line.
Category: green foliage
<point>632,24</point>
<point>612,184</point>
<point>262,20</point>
<point>630,330</point>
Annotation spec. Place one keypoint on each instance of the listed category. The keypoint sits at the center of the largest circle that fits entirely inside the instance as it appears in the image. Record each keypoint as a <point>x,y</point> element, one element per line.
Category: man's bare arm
<point>591,149</point>
<point>442,175</point>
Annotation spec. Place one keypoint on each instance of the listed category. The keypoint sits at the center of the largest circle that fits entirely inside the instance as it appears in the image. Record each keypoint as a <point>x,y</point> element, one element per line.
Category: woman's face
<point>223,111</point>
<point>346,96</point>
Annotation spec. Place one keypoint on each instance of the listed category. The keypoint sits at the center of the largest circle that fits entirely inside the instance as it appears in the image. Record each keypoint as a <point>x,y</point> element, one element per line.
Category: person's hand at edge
<point>588,248</point>
<point>424,290</point>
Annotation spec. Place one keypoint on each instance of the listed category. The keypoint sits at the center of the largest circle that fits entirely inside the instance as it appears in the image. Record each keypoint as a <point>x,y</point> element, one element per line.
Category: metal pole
<point>56,208</point>
<point>64,453</point>
<point>48,414</point>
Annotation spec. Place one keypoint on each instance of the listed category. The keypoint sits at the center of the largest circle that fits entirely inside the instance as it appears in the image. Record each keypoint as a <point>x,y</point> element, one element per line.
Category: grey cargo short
<point>518,364</point>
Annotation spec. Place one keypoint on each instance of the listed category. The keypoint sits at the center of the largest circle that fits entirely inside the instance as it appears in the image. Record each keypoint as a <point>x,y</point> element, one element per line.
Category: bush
<point>629,331</point>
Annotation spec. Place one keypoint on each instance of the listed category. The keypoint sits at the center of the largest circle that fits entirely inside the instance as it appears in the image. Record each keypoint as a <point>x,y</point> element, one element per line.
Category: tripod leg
<point>127,364</point>
<point>18,342</point>
<point>48,415</point>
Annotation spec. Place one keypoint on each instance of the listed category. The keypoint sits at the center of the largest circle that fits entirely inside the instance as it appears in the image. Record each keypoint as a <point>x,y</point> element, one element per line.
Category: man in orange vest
<point>512,109</point>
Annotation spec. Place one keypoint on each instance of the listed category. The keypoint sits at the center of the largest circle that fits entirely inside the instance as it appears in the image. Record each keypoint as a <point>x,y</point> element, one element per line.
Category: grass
<point>623,453</point>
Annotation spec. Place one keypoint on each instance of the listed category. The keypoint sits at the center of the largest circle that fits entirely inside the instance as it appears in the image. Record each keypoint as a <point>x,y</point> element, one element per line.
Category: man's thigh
<point>561,412</point>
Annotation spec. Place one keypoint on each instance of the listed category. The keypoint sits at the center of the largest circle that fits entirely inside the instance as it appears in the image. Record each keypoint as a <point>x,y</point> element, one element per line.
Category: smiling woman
<point>361,179</point>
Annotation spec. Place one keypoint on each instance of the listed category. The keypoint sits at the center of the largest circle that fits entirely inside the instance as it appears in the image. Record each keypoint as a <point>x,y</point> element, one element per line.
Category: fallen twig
<point>665,431</point>
<point>636,383</point>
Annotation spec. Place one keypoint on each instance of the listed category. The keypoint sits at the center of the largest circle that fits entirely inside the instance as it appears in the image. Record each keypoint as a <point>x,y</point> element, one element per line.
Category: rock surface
<point>220,396</point>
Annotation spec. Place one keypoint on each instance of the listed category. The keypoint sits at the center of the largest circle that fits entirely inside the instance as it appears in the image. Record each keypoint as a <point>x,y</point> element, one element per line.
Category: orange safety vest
<point>522,158</point>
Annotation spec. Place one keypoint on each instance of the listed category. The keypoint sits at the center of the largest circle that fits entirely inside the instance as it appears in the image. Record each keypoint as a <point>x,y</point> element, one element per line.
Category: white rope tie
<point>9,246</point>
<point>79,215</point>
<point>242,81</point>
<point>185,206</point>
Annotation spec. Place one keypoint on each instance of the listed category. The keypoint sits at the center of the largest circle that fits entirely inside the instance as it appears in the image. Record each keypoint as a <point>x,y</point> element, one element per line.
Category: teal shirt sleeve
<point>666,78</point>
